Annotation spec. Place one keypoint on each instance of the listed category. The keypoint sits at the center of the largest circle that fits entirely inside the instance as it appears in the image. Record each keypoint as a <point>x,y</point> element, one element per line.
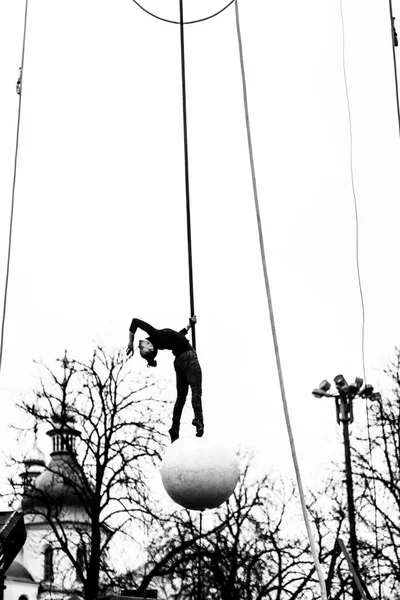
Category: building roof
<point>18,572</point>
<point>54,485</point>
<point>35,457</point>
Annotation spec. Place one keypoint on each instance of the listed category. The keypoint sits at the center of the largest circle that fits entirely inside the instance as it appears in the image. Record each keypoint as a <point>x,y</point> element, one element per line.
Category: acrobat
<point>186,364</point>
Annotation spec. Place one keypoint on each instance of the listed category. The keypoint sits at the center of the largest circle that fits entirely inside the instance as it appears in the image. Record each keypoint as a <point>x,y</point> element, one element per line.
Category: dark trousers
<point>188,373</point>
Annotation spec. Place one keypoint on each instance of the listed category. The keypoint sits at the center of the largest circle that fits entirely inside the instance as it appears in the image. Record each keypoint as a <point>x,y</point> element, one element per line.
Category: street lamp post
<point>344,412</point>
<point>344,415</point>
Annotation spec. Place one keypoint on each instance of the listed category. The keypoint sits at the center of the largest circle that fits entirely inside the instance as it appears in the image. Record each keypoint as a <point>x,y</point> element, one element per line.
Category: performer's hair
<point>149,355</point>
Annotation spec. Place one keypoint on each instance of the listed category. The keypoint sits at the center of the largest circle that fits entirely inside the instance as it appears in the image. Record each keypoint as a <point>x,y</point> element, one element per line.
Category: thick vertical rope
<point>187,188</point>
<point>19,91</point>
<point>313,547</point>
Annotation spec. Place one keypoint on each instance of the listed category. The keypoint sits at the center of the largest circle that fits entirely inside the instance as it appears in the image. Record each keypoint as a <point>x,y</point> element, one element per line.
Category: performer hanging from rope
<point>187,367</point>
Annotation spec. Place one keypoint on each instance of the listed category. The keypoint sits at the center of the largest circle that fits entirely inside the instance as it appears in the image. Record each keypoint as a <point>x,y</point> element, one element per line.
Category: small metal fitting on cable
<point>19,82</point>
<point>394,33</point>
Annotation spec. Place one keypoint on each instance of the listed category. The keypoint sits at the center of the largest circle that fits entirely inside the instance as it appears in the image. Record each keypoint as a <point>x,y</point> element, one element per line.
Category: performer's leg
<point>194,377</point>
<point>182,388</point>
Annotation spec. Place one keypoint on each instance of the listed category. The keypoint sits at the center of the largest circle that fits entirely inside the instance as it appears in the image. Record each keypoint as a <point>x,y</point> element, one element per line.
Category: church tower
<point>41,571</point>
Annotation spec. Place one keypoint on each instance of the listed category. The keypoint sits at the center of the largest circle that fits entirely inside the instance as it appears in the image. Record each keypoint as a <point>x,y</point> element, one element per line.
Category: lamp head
<point>355,387</point>
<point>358,382</point>
<point>367,391</point>
<point>322,390</point>
<point>325,386</point>
<point>341,383</point>
<point>318,393</point>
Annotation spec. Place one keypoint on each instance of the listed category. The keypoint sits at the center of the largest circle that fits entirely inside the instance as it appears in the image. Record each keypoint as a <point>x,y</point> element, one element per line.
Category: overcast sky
<point>100,231</point>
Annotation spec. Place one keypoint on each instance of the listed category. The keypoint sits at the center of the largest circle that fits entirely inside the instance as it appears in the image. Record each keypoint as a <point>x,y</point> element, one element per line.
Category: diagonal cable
<point>10,232</point>
<point>394,44</point>
<point>313,547</point>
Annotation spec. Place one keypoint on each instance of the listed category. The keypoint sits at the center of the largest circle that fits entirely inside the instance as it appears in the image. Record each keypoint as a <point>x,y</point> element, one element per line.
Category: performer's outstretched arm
<point>138,324</point>
<point>192,321</point>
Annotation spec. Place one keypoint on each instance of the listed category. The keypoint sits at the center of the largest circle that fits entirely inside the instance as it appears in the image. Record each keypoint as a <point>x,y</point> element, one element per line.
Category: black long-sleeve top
<point>163,339</point>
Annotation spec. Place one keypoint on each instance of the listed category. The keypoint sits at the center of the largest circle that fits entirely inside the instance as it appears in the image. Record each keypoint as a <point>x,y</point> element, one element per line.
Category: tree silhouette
<point>248,549</point>
<point>377,479</point>
<point>105,426</point>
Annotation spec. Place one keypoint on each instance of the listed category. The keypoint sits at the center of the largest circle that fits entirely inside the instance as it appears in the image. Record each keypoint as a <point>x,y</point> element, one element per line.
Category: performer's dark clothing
<point>186,364</point>
<point>163,339</point>
<point>188,372</point>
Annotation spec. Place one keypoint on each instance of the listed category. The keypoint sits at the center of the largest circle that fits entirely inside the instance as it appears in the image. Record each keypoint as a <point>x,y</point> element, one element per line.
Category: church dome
<point>35,457</point>
<point>55,485</point>
<point>17,572</point>
<point>34,462</point>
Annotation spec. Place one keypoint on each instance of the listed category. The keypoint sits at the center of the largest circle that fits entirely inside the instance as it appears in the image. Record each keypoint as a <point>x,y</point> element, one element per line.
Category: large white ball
<point>199,473</point>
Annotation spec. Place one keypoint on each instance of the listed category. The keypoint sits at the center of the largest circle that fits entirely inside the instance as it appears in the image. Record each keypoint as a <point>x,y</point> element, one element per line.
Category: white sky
<point>100,231</point>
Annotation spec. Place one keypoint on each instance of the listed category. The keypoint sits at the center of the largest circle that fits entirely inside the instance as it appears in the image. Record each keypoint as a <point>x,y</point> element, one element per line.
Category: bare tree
<point>249,549</point>
<point>328,510</point>
<point>377,480</point>
<point>106,433</point>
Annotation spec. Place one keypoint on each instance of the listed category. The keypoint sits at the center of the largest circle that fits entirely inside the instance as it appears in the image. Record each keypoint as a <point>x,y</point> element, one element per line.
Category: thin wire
<point>187,186</point>
<point>185,22</point>
<point>199,579</point>
<point>19,91</point>
<point>359,285</point>
<point>394,43</point>
<point>272,320</point>
<point>354,195</point>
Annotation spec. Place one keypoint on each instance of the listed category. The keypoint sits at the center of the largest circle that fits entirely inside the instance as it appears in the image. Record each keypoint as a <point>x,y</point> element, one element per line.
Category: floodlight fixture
<point>341,384</point>
<point>354,387</point>
<point>344,416</point>
<point>318,393</point>
<point>358,382</point>
<point>352,390</point>
<point>325,385</point>
<point>322,390</point>
<point>367,391</point>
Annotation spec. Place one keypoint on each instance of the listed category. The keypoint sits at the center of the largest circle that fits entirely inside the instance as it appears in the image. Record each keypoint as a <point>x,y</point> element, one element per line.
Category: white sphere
<point>199,473</point>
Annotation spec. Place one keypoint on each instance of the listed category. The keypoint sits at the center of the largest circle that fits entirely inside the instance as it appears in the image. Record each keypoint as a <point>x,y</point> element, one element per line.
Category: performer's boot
<point>199,424</point>
<point>174,432</point>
